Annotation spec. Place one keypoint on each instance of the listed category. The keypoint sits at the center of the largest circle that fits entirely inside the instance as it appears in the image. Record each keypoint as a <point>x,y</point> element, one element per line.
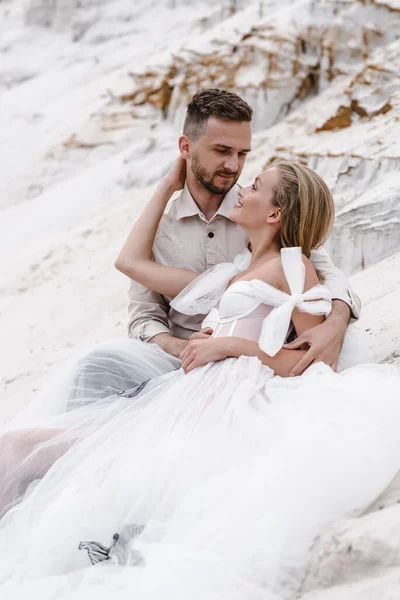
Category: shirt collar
<point>187,207</point>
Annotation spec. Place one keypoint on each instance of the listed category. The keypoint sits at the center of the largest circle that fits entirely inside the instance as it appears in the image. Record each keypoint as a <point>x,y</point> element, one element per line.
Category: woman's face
<point>255,204</point>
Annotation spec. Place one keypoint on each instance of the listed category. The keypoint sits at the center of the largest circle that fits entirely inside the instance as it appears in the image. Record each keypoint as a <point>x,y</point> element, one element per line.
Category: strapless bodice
<point>248,327</point>
<point>256,309</point>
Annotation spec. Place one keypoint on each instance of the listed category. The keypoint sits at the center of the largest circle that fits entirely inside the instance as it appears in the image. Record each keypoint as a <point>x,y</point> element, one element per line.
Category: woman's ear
<point>274,215</point>
<point>184,147</point>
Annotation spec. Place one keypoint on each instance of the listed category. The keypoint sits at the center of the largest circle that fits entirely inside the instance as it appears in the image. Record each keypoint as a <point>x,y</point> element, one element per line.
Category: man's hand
<point>324,342</point>
<point>200,352</point>
<point>169,343</point>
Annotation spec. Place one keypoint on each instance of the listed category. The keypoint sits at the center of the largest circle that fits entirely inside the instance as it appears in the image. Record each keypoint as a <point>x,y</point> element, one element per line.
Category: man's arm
<point>338,285</point>
<point>325,341</point>
<point>169,343</point>
<point>148,320</point>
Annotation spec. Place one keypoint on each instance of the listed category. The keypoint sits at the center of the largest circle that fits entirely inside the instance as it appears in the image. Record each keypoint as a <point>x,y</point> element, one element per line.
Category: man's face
<point>217,157</point>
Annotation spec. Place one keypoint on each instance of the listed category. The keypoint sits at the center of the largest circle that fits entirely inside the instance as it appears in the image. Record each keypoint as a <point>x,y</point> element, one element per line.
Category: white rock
<point>356,548</point>
<point>379,290</point>
<point>92,99</point>
<point>384,587</point>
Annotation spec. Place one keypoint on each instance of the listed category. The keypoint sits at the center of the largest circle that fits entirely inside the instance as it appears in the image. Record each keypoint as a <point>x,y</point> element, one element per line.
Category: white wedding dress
<point>217,482</point>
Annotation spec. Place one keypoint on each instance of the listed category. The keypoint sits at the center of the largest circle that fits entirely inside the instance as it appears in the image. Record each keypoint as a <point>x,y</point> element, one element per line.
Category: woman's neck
<point>263,244</point>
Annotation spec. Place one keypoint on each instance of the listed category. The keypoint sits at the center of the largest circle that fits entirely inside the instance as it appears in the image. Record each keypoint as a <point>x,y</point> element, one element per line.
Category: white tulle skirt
<point>217,482</point>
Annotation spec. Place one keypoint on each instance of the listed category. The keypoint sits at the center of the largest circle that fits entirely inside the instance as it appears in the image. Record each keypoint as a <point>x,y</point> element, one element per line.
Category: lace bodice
<point>210,293</point>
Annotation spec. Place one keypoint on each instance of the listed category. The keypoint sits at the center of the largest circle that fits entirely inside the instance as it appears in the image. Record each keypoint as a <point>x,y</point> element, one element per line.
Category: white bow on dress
<point>243,297</point>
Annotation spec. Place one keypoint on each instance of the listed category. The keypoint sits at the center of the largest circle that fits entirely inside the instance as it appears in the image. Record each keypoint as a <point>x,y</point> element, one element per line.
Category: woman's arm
<point>136,257</point>
<point>200,352</point>
<point>282,363</point>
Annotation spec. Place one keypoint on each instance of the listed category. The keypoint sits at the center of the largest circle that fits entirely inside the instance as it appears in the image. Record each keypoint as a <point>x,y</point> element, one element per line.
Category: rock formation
<point>92,95</point>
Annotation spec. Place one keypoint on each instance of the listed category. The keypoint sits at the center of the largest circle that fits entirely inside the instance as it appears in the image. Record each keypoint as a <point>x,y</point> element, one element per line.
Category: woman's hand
<point>203,334</point>
<point>200,352</point>
<point>175,178</point>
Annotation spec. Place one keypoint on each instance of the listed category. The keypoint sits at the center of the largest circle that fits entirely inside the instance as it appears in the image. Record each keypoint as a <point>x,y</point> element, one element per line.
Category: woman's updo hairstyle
<point>307,207</point>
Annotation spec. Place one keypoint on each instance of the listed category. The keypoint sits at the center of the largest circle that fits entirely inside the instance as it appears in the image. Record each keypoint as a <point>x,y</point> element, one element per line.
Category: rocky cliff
<point>101,80</point>
<point>92,95</point>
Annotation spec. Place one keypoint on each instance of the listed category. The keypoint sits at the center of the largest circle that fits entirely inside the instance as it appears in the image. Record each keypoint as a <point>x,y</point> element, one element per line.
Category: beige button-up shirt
<point>187,240</point>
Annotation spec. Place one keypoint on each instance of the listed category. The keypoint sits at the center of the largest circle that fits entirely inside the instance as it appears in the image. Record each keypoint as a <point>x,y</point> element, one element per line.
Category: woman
<point>262,219</point>
<point>214,482</point>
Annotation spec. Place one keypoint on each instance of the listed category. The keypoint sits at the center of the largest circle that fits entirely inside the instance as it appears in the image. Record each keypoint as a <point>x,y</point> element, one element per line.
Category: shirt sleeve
<point>148,313</point>
<point>337,284</point>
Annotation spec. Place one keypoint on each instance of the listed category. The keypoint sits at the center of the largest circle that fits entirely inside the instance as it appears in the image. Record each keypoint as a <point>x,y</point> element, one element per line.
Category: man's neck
<point>207,202</point>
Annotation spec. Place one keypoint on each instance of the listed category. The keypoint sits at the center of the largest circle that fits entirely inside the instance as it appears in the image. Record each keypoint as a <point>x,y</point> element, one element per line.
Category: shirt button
<point>210,234</point>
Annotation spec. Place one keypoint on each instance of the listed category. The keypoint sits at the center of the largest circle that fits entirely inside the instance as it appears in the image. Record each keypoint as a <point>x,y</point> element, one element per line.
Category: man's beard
<point>204,178</point>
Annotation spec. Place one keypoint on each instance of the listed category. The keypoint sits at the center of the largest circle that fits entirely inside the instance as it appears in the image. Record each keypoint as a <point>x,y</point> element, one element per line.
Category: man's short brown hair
<point>214,103</point>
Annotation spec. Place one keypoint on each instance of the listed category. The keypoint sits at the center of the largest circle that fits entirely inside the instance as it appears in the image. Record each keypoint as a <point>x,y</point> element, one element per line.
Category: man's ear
<point>275,215</point>
<point>184,147</point>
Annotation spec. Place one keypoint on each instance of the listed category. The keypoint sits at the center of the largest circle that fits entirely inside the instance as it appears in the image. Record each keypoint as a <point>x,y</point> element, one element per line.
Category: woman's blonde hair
<point>307,207</point>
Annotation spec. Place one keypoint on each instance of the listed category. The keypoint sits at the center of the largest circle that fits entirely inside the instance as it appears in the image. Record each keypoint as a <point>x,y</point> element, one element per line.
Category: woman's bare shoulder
<point>311,276</point>
<point>272,272</point>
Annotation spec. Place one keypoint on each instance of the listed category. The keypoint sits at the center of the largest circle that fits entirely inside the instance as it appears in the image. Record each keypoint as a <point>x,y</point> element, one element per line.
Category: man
<point>195,233</point>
